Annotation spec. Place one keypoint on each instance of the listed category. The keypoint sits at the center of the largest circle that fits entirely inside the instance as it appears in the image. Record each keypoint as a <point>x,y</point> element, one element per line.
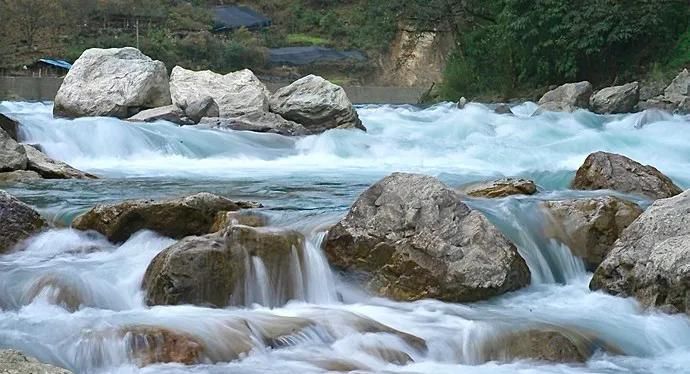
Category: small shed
<point>233,17</point>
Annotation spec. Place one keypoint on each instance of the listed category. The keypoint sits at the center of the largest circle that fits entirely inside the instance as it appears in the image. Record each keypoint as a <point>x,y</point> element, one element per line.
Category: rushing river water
<point>307,184</point>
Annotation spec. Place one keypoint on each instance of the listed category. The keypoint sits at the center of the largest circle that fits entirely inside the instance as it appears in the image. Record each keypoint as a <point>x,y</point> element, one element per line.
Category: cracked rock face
<point>409,237</point>
<point>602,170</point>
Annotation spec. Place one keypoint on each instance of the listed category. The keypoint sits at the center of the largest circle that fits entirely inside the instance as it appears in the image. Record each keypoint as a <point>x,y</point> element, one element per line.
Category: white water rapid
<point>73,299</point>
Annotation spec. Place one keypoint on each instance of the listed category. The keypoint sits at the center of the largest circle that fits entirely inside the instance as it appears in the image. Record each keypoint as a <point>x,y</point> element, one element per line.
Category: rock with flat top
<point>501,188</point>
<point>316,104</point>
<point>567,98</point>
<point>258,122</point>
<point>170,113</point>
<point>616,99</point>
<point>115,82</point>
<point>603,170</point>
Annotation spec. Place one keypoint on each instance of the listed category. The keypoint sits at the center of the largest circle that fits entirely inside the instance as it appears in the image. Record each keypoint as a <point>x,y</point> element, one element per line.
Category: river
<point>308,183</point>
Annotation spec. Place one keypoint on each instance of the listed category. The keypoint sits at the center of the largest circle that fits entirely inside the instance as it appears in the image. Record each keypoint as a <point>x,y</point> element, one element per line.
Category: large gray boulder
<point>567,98</point>
<point>12,154</point>
<point>317,104</point>
<point>651,259</point>
<point>235,93</point>
<point>52,169</point>
<point>15,362</point>
<point>18,221</point>
<point>603,170</point>
<point>589,226</point>
<point>616,99</point>
<point>676,97</point>
<point>116,82</point>
<point>410,237</point>
<point>176,218</point>
<point>210,270</point>
<point>257,122</point>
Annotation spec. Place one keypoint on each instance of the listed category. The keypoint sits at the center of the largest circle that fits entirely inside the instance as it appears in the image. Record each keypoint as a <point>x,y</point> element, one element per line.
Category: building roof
<point>232,17</point>
<point>56,63</point>
<point>311,55</point>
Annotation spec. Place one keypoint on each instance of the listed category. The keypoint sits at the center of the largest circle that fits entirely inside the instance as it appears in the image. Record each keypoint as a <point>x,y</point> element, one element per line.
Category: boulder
<point>52,169</point>
<point>538,344</point>
<point>170,113</point>
<point>503,109</point>
<point>616,99</point>
<point>462,102</point>
<point>602,170</point>
<point>235,93</point>
<point>567,98</point>
<point>15,362</point>
<point>676,97</point>
<point>258,122</point>
<point>116,82</point>
<point>589,226</point>
<point>19,176</point>
<point>226,219</point>
<point>680,86</point>
<point>211,270</point>
<point>317,104</point>
<point>12,154</point>
<point>410,237</point>
<point>200,107</point>
<point>651,259</point>
<point>500,188</point>
<point>176,218</point>
<point>18,221</point>
<point>149,345</point>
<point>10,126</point>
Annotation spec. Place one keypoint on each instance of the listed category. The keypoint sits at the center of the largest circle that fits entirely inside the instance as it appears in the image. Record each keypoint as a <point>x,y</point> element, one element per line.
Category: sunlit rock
<point>15,362</point>
<point>410,237</point>
<point>602,170</point>
<point>651,259</point>
<point>17,221</point>
<point>567,98</point>
<point>235,93</point>
<point>500,188</point>
<point>116,82</point>
<point>176,218</point>
<point>616,99</point>
<point>52,169</point>
<point>317,104</point>
<point>589,226</point>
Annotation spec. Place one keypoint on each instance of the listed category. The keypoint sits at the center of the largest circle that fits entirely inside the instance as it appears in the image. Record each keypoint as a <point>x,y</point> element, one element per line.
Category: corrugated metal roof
<point>57,63</point>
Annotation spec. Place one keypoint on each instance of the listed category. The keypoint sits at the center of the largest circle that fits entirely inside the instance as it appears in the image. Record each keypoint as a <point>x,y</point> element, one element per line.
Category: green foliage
<point>304,39</point>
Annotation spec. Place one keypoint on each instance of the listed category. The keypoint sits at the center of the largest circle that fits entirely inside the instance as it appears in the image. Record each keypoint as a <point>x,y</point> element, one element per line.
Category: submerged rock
<point>15,362</point>
<point>19,176</point>
<point>17,221</point>
<point>567,98</point>
<point>616,99</point>
<point>602,170</point>
<point>52,169</point>
<point>235,93</point>
<point>503,109</point>
<point>176,218</point>
<point>12,154</point>
<point>589,226</point>
<point>410,237</point>
<point>115,82</point>
<point>317,104</point>
<point>10,126</point>
<point>501,188</point>
<point>149,345</point>
<point>651,259</point>
<point>258,122</point>
<point>538,344</point>
<point>210,270</point>
<point>170,113</point>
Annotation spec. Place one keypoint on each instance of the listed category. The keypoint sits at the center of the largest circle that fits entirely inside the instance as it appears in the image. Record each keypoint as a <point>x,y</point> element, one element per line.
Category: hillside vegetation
<point>504,48</point>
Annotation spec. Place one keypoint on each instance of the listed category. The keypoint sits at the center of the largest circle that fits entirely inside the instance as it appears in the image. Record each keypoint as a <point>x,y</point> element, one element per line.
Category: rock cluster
<point>410,237</point>
<point>125,83</point>
<point>676,97</point>
<point>176,218</point>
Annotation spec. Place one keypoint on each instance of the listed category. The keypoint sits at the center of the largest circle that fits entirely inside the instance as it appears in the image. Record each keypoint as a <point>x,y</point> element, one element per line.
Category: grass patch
<point>304,39</point>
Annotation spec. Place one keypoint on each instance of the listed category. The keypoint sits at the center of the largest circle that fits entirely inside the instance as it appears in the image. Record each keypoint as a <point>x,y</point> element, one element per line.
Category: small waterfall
<point>319,281</point>
<point>262,283</point>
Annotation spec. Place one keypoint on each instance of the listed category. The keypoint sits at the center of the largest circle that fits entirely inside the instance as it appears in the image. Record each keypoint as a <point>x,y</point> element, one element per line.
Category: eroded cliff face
<point>416,59</point>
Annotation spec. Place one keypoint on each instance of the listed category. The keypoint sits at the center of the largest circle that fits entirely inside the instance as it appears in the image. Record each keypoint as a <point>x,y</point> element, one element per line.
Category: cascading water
<point>73,299</point>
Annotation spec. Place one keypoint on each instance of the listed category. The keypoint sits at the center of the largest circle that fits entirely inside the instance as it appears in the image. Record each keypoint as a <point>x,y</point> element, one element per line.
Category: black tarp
<point>311,55</point>
<point>232,17</point>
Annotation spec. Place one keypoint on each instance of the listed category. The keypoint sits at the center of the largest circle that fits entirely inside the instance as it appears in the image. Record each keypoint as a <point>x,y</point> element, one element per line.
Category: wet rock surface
<point>500,188</point>
<point>15,362</point>
<point>18,221</point>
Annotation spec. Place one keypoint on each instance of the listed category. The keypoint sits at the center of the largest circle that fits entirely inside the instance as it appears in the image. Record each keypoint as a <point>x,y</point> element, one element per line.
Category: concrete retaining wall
<point>44,89</point>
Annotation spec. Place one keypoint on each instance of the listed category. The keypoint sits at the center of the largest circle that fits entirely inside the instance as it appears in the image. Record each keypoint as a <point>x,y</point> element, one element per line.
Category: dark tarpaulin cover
<point>310,55</point>
<point>231,17</point>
